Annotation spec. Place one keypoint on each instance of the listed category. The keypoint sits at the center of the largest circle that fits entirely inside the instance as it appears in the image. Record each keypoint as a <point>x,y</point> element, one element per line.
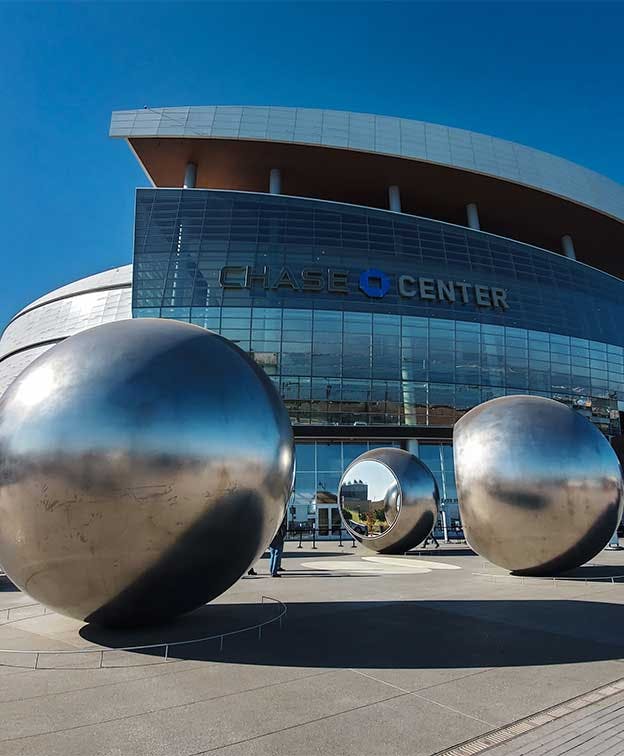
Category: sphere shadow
<point>425,634</point>
<point>595,572</point>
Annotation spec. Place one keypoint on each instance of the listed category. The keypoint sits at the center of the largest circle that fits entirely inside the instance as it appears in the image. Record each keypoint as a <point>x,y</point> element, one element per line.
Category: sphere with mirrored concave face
<point>539,487</point>
<point>394,497</point>
<point>144,466</point>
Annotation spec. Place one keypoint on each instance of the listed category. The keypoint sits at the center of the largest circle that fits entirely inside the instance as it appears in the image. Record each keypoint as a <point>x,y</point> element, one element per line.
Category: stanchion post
<point>300,537</point>
<point>313,538</point>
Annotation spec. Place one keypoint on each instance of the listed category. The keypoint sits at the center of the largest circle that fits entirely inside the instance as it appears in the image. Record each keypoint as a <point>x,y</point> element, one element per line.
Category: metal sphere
<point>399,494</point>
<point>540,489</point>
<point>144,465</point>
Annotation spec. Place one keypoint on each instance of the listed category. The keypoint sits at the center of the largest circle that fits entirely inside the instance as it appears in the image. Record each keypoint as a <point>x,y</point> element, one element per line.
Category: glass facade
<point>367,319</point>
<point>320,465</point>
<point>348,358</point>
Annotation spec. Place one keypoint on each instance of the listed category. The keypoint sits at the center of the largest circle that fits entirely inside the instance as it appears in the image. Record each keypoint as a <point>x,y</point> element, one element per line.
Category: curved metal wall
<point>97,299</point>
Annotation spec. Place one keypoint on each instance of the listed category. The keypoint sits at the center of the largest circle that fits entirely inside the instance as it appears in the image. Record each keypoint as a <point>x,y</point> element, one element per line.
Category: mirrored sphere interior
<point>539,487</point>
<point>144,465</point>
<point>388,500</point>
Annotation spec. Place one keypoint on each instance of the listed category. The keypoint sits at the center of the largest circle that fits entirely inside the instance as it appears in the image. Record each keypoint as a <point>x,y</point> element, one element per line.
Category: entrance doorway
<point>328,520</point>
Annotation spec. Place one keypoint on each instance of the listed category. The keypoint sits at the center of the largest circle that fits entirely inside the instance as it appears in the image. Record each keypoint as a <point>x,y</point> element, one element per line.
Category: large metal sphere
<point>395,485</point>
<point>540,489</point>
<point>144,465</point>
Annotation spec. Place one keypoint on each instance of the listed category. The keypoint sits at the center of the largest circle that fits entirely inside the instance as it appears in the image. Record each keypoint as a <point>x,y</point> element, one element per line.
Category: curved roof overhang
<point>533,207</point>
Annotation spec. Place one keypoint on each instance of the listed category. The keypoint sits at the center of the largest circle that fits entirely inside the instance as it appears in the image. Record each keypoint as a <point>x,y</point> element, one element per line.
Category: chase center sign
<point>373,282</point>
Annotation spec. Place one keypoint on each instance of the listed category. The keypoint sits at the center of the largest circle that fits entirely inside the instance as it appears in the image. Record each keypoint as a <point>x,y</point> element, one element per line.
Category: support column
<point>394,198</point>
<point>568,247</point>
<point>472,214</point>
<point>275,181</point>
<point>190,176</point>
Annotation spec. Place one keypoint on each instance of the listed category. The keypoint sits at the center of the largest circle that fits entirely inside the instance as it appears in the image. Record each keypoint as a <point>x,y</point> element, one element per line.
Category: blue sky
<point>546,74</point>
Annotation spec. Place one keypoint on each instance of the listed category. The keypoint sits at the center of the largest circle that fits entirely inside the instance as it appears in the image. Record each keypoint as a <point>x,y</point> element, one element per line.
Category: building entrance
<point>328,520</point>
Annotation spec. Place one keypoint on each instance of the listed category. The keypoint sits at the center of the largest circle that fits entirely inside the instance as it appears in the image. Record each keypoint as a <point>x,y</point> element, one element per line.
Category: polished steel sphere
<point>539,487</point>
<point>393,495</point>
<point>144,466</point>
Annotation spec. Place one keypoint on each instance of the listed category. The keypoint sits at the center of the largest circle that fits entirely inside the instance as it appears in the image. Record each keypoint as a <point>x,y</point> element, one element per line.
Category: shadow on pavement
<point>599,572</point>
<point>390,635</point>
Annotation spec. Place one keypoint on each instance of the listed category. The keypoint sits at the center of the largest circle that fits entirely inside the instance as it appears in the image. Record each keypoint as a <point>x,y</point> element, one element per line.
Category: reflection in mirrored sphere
<point>144,465</point>
<point>540,489</point>
<point>388,500</point>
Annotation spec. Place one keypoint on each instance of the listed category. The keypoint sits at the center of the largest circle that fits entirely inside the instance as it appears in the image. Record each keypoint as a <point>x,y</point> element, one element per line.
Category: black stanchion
<point>300,537</point>
<point>352,542</point>
<point>340,534</point>
<point>313,538</point>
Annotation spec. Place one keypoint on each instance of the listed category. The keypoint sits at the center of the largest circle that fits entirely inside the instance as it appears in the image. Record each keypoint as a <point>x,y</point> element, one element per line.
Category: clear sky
<point>547,74</point>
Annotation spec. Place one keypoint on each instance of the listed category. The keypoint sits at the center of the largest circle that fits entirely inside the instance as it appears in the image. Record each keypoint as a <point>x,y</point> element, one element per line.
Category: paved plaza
<point>422,654</point>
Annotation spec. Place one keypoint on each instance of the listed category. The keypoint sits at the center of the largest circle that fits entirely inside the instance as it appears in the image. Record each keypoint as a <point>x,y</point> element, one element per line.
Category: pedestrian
<point>275,550</point>
<point>431,537</point>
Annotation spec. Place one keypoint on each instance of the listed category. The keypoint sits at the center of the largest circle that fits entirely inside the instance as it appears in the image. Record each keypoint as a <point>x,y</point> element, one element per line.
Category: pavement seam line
<point>103,685</point>
<point>508,732</point>
<point>455,711</point>
<point>415,693</point>
<point>453,679</point>
<point>164,708</point>
<point>376,679</point>
<point>300,724</point>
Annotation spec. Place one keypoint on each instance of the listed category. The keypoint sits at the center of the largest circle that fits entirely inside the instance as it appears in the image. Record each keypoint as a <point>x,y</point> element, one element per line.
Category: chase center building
<point>387,274</point>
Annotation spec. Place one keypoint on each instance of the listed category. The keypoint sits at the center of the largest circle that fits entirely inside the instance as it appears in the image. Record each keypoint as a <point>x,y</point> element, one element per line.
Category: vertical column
<point>275,181</point>
<point>472,214</point>
<point>190,176</point>
<point>568,247</point>
<point>394,198</point>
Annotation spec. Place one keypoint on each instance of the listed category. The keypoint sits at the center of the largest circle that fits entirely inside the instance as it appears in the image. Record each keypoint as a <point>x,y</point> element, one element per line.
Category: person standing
<point>431,537</point>
<point>276,549</point>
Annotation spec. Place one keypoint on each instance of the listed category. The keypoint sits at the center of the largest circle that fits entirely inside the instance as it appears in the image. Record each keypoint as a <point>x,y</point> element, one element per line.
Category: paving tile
<point>207,724</point>
<point>506,694</point>
<point>400,726</point>
<point>89,706</point>
<point>586,729</point>
<point>471,653</point>
<point>45,682</point>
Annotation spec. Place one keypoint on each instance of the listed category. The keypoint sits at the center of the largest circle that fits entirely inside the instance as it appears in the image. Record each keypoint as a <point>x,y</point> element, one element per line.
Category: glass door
<point>328,520</point>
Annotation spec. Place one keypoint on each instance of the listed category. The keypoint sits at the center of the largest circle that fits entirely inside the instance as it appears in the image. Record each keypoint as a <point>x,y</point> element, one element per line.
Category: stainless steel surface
<point>539,487</point>
<point>144,465</point>
<point>394,495</point>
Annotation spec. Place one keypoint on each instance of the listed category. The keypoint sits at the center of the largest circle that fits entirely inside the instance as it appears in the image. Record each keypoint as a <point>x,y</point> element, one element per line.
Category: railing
<point>342,535</point>
<point>164,646</point>
<point>333,533</point>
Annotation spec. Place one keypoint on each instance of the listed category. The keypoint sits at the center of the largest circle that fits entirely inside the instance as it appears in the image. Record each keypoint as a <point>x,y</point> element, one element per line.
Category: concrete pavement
<point>391,656</point>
